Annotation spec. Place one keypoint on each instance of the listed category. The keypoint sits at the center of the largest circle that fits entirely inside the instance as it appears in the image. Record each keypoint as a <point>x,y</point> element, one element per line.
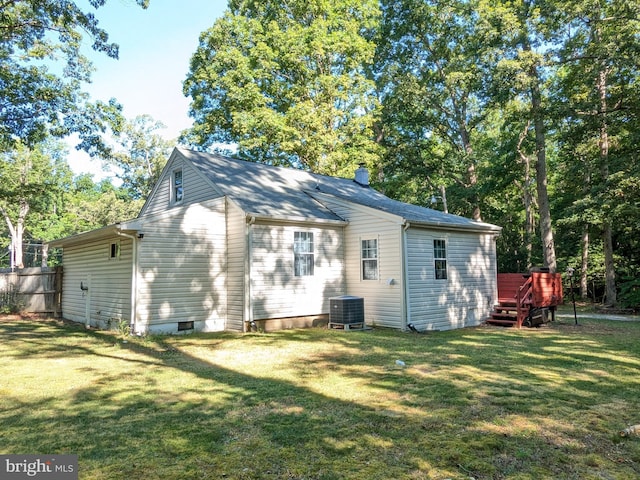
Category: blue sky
<point>156,45</point>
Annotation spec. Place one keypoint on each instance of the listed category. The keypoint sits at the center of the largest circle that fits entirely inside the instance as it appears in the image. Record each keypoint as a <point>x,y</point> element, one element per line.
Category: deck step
<point>504,322</point>
<point>504,314</point>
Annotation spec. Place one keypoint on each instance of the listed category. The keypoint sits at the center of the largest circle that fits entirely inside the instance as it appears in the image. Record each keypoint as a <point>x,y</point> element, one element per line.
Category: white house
<point>224,244</point>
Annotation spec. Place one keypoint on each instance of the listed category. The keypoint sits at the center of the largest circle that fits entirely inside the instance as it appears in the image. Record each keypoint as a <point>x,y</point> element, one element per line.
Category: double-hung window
<point>440,259</point>
<point>177,191</point>
<point>369,256</point>
<point>303,257</point>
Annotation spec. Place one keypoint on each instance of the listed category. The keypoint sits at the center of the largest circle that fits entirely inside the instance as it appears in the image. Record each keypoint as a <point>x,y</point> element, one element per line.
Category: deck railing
<point>523,301</point>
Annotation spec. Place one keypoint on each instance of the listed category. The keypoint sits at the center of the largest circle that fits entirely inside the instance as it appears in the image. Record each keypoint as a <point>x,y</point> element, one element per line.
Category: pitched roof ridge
<point>286,171</point>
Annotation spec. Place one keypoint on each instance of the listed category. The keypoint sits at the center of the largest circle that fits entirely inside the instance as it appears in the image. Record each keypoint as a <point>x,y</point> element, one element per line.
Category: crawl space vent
<point>185,326</point>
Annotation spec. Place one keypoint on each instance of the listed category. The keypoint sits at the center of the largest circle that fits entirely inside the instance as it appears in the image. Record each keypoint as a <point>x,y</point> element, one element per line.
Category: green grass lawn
<point>482,403</point>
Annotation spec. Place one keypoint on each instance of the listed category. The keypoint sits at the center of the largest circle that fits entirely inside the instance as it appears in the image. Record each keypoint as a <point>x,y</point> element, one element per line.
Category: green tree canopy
<point>42,70</point>
<point>288,83</point>
<point>139,156</point>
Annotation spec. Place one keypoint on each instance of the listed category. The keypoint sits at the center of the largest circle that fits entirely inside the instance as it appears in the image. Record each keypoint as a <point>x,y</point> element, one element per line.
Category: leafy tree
<point>520,74</point>
<point>433,60</point>
<point>287,82</point>
<point>140,156</point>
<point>90,205</point>
<point>42,70</point>
<point>597,92</point>
<point>32,180</point>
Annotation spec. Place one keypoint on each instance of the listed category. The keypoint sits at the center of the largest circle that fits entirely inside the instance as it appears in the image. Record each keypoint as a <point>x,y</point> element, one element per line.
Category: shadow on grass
<point>483,403</point>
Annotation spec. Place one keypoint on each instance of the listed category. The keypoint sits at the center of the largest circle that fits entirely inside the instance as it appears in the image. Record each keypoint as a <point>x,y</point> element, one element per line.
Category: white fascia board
<point>108,231</point>
<point>292,219</point>
<point>479,228</point>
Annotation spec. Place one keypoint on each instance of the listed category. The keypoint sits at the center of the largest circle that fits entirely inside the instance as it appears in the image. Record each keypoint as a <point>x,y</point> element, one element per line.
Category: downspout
<point>134,281</point>
<point>405,268</point>
<point>248,302</point>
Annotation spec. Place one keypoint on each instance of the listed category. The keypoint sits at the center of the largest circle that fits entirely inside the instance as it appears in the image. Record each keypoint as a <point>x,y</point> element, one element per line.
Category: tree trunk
<point>527,197</point>
<point>611,297</point>
<point>546,229</point>
<point>472,174</point>
<point>584,267</point>
<point>607,236</point>
<point>45,255</point>
<point>17,233</point>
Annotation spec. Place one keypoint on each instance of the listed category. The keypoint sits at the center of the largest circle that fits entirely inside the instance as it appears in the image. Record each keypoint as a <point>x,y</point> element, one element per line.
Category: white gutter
<point>479,228</point>
<point>294,219</point>
<point>134,281</point>
<point>405,268</point>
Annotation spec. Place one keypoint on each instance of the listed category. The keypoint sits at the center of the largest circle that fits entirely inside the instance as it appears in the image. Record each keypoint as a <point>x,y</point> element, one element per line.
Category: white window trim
<point>377,259</point>
<point>445,258</point>
<point>118,250</point>
<point>312,253</point>
<point>173,193</point>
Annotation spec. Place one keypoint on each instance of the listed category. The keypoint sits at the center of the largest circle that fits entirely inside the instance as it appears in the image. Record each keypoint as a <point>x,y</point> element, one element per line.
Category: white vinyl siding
<point>276,292</point>
<point>195,188</point>
<point>236,267</point>
<point>107,282</point>
<point>182,268</point>
<point>383,299</point>
<point>466,298</point>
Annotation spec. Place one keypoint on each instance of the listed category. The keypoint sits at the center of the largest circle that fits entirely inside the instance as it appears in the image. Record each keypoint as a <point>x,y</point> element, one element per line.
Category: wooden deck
<point>525,298</point>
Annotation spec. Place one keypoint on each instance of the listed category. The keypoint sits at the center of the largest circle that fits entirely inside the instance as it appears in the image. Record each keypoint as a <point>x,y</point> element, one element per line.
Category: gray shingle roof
<point>264,190</point>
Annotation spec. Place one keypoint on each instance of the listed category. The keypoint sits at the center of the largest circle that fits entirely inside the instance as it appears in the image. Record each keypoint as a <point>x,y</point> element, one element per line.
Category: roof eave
<point>252,217</point>
<point>477,228</point>
<point>109,230</point>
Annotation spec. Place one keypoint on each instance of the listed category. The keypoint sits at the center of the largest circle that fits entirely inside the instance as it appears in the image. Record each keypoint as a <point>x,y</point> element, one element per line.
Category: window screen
<point>369,259</point>
<point>440,258</point>
<point>303,261</point>
<point>178,191</point>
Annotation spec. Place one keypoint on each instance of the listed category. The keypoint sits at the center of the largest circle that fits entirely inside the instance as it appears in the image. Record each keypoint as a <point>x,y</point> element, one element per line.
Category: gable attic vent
<point>362,176</point>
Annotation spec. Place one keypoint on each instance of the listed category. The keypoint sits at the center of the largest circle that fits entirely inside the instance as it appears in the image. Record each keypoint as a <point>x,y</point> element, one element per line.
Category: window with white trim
<point>369,259</point>
<point>440,259</point>
<point>303,256</point>
<point>177,190</point>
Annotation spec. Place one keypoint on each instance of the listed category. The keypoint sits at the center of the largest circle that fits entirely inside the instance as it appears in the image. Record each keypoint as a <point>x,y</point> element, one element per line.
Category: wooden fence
<point>32,290</point>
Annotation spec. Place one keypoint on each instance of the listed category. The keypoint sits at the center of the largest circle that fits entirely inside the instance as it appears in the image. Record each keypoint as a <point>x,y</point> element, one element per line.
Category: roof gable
<point>262,190</point>
<point>159,198</point>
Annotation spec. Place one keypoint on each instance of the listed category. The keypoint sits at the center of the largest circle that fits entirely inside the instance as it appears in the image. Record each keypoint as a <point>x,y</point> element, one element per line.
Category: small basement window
<point>440,259</point>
